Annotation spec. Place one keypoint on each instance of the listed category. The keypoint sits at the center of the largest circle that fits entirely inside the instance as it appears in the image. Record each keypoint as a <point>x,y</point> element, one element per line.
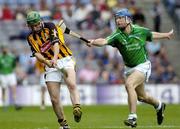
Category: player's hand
<point>170,34</point>
<point>49,64</point>
<point>90,43</point>
<point>54,62</point>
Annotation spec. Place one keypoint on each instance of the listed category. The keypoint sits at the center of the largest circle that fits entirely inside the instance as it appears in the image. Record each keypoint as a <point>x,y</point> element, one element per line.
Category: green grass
<point>94,117</point>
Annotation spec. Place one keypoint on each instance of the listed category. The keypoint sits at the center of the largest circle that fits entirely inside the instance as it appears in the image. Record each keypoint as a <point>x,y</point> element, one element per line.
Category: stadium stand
<point>91,19</point>
<point>173,8</point>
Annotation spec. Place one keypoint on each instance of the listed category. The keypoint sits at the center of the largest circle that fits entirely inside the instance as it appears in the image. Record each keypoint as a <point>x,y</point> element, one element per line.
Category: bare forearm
<point>99,42</point>
<point>41,58</point>
<point>56,50</point>
<point>168,35</point>
<point>157,35</point>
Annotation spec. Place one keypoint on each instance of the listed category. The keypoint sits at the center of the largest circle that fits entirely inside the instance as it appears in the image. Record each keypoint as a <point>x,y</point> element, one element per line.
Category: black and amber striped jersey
<point>43,41</point>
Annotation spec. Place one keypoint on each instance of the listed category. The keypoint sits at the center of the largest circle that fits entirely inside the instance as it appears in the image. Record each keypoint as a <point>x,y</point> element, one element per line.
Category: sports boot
<point>160,114</point>
<point>77,113</point>
<point>131,122</point>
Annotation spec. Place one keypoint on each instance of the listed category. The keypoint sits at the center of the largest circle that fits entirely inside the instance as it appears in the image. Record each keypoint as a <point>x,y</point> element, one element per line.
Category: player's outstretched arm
<point>97,42</point>
<point>168,35</point>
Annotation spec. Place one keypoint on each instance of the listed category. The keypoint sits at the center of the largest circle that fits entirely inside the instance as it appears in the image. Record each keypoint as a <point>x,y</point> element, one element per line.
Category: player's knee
<point>72,86</point>
<point>142,98</point>
<point>129,85</point>
<point>55,100</point>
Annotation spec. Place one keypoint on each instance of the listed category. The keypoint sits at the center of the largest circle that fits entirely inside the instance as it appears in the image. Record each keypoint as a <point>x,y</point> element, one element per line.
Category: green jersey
<point>7,63</point>
<point>131,46</point>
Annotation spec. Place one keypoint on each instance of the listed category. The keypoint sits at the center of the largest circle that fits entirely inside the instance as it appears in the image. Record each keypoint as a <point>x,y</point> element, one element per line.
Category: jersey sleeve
<point>148,35</point>
<point>60,34</point>
<point>53,33</point>
<point>33,50</point>
<point>111,39</point>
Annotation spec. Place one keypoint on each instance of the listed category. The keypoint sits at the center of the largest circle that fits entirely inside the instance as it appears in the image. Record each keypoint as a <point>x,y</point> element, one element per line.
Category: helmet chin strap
<point>123,28</point>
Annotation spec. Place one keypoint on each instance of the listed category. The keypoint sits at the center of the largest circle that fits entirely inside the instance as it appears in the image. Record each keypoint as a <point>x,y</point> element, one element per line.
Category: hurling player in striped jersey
<point>47,44</point>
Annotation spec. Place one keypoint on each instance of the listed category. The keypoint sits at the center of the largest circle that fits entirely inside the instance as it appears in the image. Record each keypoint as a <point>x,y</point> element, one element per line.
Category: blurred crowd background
<point>92,19</point>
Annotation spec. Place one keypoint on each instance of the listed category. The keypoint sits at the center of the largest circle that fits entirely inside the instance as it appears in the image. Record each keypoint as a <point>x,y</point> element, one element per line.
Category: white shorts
<point>55,75</point>
<point>42,80</point>
<point>145,68</point>
<point>8,80</point>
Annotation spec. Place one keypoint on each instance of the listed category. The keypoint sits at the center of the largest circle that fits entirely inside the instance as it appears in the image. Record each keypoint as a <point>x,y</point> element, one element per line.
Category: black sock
<point>62,122</point>
<point>77,106</point>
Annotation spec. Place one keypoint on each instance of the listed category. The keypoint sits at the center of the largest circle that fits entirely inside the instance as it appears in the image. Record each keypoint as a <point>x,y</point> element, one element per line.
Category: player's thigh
<point>3,81</point>
<point>69,66</point>
<point>140,90</point>
<point>53,89</point>
<point>135,79</point>
<point>12,80</point>
<point>71,79</point>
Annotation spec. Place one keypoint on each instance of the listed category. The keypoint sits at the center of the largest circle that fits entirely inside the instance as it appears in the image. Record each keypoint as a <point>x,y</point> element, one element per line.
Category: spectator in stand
<point>116,73</point>
<point>171,75</point>
<point>159,74</point>
<point>171,4</point>
<point>21,35</point>
<point>88,75</point>
<point>56,12</point>
<point>7,13</point>
<point>104,58</point>
<point>111,3</point>
<point>103,77</point>
<point>105,14</point>
<point>94,15</point>
<point>156,14</point>
<point>68,16</point>
<point>44,10</point>
<point>19,12</point>
<point>139,18</point>
<point>31,7</point>
<point>80,15</point>
<point>154,48</point>
<point>132,6</point>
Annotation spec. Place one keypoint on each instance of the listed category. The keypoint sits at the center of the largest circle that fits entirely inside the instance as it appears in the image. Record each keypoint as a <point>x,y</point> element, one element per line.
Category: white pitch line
<point>125,127</point>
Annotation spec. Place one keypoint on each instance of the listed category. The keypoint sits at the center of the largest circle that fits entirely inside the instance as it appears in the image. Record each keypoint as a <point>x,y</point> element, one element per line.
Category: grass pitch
<point>94,117</point>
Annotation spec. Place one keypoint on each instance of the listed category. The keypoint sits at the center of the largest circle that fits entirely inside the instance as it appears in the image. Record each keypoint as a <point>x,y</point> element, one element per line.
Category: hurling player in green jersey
<point>8,76</point>
<point>130,40</point>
